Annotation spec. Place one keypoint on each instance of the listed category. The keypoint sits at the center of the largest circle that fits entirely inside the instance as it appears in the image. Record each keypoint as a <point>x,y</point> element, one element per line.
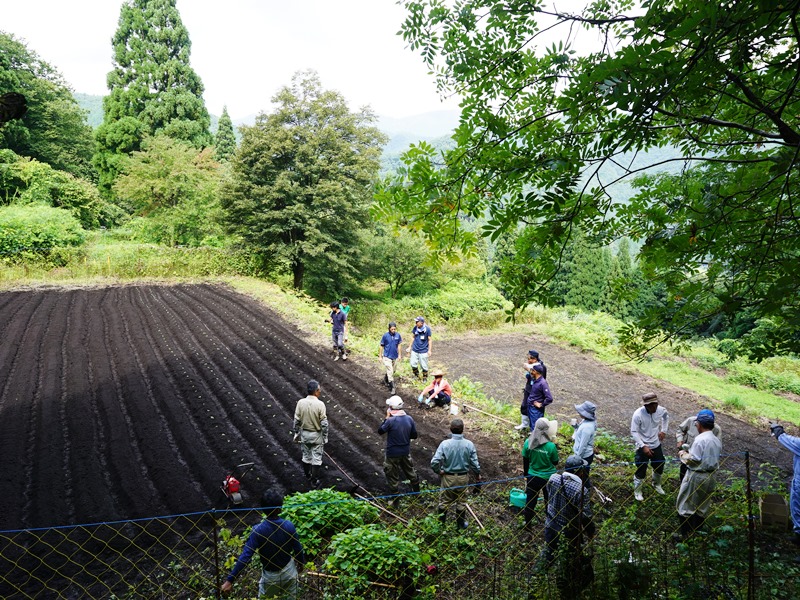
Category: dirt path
<point>575,376</point>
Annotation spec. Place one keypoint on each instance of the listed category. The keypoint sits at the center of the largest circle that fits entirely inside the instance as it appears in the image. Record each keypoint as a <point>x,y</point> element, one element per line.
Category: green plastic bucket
<point>517,497</point>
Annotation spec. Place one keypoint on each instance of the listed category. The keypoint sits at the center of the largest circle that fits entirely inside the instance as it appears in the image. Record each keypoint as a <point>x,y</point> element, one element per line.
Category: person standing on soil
<point>686,434</point>
<point>338,321</point>
<point>540,396</point>
<point>454,460</point>
<point>585,431</point>
<point>279,550</point>
<point>311,430</point>
<point>390,352</point>
<point>701,460</point>
<point>649,426</point>
<point>420,348</point>
<point>437,391</point>
<point>539,460</point>
<point>400,429</point>
<point>791,443</point>
<point>523,409</point>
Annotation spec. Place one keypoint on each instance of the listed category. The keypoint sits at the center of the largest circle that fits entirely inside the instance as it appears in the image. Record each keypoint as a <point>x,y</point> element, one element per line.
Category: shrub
<point>37,231</point>
<point>321,514</point>
<point>371,554</point>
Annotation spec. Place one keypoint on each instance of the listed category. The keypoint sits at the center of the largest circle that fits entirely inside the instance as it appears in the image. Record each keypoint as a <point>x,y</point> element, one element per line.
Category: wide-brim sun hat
<point>586,410</point>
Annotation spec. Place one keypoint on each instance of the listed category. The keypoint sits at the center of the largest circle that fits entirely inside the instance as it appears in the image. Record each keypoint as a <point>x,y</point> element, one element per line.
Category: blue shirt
<point>421,337</point>
<point>276,542</point>
<point>401,430</point>
<point>390,342</point>
<point>338,319</point>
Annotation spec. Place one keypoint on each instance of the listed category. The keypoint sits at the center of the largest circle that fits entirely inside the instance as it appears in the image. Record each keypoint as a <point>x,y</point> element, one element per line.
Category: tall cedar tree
<point>225,140</point>
<point>719,81</point>
<point>302,182</point>
<point>153,89</point>
<point>54,129</point>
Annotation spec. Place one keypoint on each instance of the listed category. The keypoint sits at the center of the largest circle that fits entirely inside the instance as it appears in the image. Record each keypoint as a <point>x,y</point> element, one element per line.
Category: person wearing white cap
<point>400,429</point>
<point>649,426</point>
<point>585,432</point>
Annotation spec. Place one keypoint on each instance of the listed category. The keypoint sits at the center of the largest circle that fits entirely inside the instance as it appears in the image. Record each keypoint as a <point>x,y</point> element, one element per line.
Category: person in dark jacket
<point>279,550</point>
<point>540,396</point>
<point>400,429</point>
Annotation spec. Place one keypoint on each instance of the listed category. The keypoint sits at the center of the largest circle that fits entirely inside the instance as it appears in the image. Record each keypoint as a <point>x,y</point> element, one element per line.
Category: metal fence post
<point>751,545</point>
<point>217,591</point>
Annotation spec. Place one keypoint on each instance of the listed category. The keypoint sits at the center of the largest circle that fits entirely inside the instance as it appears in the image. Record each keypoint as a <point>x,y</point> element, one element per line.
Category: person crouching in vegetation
<point>701,460</point>
<point>437,391</point>
<point>279,550</point>
<point>539,460</point>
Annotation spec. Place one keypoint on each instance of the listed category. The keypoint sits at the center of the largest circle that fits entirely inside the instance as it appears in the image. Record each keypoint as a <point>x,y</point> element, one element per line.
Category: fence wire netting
<point>402,547</point>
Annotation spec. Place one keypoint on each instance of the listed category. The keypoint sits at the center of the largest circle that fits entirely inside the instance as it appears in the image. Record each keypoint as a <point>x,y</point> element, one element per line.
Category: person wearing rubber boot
<point>420,348</point>
<point>338,323</point>
<point>311,431</point>
<point>649,426</point>
<point>390,353</point>
<point>701,460</point>
<point>454,460</point>
<point>400,429</point>
<point>540,396</point>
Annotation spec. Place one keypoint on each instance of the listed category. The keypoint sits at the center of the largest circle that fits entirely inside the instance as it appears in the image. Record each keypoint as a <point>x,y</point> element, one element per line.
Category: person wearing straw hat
<point>585,431</point>
<point>539,460</point>
<point>437,391</point>
<point>400,429</point>
<point>279,551</point>
<point>701,460</point>
<point>649,426</point>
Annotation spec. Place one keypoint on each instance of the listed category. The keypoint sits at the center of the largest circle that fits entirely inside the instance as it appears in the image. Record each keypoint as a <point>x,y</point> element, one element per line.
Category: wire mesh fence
<point>403,547</point>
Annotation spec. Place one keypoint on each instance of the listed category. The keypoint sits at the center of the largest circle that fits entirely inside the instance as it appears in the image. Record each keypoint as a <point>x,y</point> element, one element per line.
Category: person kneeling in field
<point>438,391</point>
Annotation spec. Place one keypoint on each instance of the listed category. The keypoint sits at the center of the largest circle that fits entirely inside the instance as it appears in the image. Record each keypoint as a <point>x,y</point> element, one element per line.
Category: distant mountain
<point>435,127</point>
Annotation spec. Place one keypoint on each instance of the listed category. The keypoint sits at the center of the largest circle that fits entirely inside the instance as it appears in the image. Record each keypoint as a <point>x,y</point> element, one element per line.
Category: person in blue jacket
<point>792,443</point>
<point>279,550</point>
<point>540,396</point>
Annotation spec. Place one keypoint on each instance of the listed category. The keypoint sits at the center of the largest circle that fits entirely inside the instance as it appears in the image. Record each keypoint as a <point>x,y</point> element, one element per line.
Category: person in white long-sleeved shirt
<point>649,426</point>
<point>701,460</point>
<point>585,432</point>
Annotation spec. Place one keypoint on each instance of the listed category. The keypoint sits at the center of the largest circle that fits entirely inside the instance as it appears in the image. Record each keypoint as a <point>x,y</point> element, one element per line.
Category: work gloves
<point>777,430</point>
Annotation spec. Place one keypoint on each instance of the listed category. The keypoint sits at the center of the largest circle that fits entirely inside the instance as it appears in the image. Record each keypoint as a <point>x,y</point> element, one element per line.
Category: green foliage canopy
<point>301,182</point>
<point>152,89</point>
<point>54,129</point>
<point>175,185</point>
<point>37,230</point>
<point>225,138</point>
<point>717,80</point>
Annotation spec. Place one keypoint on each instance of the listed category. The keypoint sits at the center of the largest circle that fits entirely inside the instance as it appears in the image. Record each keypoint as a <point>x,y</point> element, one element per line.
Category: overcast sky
<point>245,50</point>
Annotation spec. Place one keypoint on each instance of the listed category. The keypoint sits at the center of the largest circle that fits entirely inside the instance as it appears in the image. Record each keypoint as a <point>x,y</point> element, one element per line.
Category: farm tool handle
<point>379,507</point>
<point>353,481</point>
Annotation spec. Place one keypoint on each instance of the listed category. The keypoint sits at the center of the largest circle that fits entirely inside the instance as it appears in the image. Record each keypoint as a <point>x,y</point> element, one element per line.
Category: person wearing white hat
<point>585,431</point>
<point>400,429</point>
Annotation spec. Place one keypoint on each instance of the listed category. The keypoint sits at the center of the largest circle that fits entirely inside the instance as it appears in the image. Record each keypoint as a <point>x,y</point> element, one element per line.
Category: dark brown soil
<point>128,402</point>
<point>575,376</point>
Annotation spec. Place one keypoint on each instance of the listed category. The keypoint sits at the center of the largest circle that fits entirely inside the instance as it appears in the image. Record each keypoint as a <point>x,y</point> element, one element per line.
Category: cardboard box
<point>774,511</point>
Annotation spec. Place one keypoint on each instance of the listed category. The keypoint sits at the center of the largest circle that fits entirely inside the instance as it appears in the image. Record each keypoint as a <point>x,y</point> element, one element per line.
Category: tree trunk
<point>298,270</point>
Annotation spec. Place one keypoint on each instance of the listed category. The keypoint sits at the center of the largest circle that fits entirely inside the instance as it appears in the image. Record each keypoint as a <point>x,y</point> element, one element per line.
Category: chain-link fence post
<point>217,591</point>
<point>751,544</point>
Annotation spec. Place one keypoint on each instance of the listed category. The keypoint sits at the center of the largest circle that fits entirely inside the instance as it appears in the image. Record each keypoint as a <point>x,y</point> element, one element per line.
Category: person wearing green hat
<point>701,460</point>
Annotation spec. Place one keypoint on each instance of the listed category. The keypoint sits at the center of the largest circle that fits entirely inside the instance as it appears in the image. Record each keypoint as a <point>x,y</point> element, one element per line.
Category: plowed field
<point>134,401</point>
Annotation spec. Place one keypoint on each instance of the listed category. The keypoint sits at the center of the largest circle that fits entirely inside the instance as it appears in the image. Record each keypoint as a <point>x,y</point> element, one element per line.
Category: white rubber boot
<point>637,489</point>
<point>657,484</point>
